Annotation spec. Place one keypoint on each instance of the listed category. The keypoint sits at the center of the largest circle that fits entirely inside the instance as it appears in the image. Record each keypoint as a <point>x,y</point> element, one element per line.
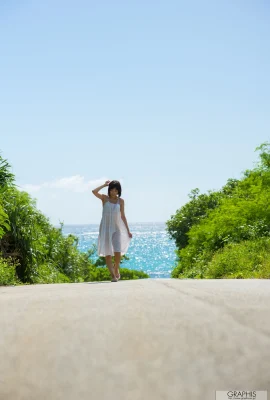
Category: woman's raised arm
<point>95,191</point>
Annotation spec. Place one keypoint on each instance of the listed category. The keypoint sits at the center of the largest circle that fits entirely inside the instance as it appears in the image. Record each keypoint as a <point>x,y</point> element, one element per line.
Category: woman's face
<point>113,192</point>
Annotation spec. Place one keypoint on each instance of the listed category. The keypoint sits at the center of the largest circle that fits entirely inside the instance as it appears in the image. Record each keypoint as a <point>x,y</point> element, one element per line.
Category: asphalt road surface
<point>148,339</point>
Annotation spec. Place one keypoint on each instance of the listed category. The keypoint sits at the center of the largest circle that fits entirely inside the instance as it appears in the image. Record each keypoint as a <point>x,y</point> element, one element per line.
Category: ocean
<point>150,249</point>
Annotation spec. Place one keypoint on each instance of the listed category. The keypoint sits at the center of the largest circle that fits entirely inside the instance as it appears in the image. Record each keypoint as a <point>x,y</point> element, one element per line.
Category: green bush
<point>8,274</point>
<point>248,259</point>
<point>49,274</point>
<point>103,274</point>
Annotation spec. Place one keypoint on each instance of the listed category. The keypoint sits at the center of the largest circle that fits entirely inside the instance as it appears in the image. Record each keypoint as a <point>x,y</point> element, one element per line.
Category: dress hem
<point>104,255</point>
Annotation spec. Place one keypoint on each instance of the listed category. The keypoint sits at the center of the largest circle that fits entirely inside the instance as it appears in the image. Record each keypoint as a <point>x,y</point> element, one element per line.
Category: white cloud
<point>76,183</point>
<point>69,199</point>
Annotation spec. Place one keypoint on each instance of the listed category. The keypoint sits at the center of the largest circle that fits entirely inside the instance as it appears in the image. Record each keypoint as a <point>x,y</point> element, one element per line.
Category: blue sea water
<point>150,248</point>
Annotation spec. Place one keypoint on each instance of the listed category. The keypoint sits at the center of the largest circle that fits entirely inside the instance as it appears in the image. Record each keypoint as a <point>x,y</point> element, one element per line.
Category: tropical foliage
<point>226,233</point>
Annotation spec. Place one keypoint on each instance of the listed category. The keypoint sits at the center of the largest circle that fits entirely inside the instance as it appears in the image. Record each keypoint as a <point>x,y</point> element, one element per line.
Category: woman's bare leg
<point>117,258</point>
<point>110,265</point>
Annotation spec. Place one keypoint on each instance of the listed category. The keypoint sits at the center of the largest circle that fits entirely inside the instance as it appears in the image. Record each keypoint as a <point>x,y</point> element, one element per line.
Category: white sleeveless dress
<point>113,234</point>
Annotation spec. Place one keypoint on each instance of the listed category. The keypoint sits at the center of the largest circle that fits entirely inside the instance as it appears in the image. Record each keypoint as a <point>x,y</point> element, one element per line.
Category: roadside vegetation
<point>226,233</point>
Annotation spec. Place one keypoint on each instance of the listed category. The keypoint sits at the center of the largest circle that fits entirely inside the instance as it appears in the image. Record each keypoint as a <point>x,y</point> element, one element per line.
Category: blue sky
<point>165,96</point>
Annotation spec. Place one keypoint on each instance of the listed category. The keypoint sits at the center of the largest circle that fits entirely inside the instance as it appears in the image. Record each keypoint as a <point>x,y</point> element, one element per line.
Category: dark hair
<point>115,185</point>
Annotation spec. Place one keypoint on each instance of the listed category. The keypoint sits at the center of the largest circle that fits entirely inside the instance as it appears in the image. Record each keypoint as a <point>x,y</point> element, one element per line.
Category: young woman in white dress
<point>114,234</point>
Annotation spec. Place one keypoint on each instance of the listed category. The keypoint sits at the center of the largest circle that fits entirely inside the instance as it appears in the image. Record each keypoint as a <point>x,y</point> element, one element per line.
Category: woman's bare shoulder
<point>105,198</point>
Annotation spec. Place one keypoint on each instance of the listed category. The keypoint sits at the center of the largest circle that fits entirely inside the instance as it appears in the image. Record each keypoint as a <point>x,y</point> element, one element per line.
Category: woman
<point>114,234</point>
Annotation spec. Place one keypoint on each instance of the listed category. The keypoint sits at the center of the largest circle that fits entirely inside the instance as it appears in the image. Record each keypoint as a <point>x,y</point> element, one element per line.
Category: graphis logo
<point>241,394</point>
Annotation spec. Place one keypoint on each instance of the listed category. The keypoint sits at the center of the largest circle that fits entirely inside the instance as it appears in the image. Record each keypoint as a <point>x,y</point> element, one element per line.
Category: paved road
<point>134,340</point>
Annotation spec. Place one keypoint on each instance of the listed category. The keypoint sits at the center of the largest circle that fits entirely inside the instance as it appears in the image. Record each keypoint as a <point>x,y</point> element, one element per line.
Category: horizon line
<point>97,223</point>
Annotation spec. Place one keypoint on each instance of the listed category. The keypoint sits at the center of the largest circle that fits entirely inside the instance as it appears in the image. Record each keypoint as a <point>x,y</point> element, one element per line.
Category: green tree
<point>191,214</point>
<point>6,179</point>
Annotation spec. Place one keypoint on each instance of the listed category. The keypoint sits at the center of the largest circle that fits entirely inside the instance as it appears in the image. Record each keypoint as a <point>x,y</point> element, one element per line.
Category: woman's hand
<point>130,234</point>
<point>107,183</point>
